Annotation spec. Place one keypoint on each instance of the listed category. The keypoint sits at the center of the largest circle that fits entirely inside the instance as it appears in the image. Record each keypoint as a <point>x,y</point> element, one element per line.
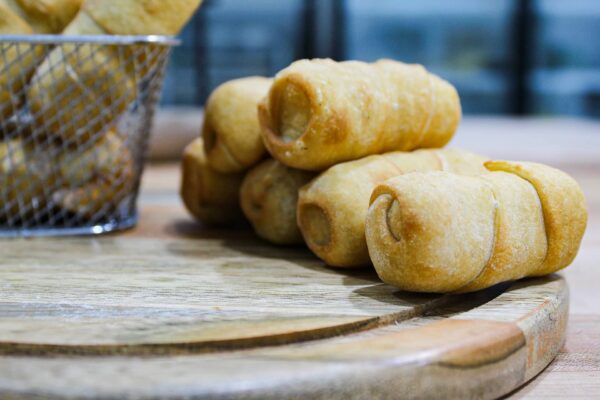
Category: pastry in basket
<point>321,112</point>
<point>139,17</point>
<point>79,91</point>
<point>24,181</point>
<point>210,196</point>
<point>19,61</point>
<point>333,207</point>
<point>231,131</point>
<point>96,179</point>
<point>11,23</point>
<point>269,197</point>
<point>26,17</point>
<point>76,94</point>
<point>11,82</point>
<point>442,232</point>
<point>44,16</point>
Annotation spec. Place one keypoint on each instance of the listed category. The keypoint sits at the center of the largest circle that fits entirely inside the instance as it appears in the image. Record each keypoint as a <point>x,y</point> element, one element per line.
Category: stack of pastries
<point>77,160</point>
<point>348,158</point>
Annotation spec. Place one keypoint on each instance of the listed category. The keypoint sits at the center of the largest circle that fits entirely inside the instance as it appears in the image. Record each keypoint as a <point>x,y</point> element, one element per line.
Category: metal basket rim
<point>126,40</point>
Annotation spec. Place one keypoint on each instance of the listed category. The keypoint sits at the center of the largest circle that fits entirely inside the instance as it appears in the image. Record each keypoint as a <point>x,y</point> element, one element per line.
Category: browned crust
<point>268,114</point>
<point>336,131</point>
<point>563,207</point>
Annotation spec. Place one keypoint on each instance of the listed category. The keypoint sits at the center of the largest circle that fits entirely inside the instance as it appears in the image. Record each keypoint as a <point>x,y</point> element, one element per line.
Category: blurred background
<point>506,57</point>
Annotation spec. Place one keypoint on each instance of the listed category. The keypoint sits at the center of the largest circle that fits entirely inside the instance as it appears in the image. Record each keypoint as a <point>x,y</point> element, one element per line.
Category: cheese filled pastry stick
<point>211,197</point>
<point>320,112</point>
<point>269,197</point>
<point>231,131</point>
<point>332,208</point>
<point>441,232</point>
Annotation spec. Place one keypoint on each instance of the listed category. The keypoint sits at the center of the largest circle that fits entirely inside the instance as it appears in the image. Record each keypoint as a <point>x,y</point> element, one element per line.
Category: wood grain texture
<point>182,294</point>
<point>458,349</point>
<point>172,309</point>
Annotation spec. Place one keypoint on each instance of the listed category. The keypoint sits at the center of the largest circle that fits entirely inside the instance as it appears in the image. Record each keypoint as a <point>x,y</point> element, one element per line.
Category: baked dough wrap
<point>26,179</point>
<point>231,130</point>
<point>44,16</point>
<point>441,232</point>
<point>73,89</point>
<point>320,112</point>
<point>269,197</point>
<point>80,90</point>
<point>14,72</point>
<point>26,17</point>
<point>211,197</point>
<point>94,181</point>
<point>332,208</point>
<point>10,76</point>
<point>141,17</point>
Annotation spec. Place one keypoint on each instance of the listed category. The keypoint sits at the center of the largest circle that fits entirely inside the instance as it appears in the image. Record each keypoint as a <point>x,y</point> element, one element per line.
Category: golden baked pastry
<point>133,17</point>
<point>442,232</point>
<point>44,16</point>
<point>11,23</point>
<point>25,17</point>
<point>15,76</point>
<point>88,80</point>
<point>24,182</point>
<point>141,17</point>
<point>211,197</point>
<point>231,131</point>
<point>321,112</point>
<point>72,90</point>
<point>94,181</point>
<point>269,196</point>
<point>333,207</point>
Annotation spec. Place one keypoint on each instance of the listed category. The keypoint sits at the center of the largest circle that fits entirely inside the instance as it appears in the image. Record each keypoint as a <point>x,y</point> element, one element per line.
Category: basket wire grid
<point>75,118</point>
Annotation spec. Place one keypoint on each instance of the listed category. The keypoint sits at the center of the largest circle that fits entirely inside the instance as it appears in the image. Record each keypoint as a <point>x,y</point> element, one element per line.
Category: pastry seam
<point>543,212</point>
<point>492,252</point>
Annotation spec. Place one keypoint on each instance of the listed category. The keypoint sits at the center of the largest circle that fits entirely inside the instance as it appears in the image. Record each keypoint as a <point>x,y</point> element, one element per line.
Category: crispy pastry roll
<point>79,93</point>
<point>333,207</point>
<point>269,197</point>
<point>211,197</point>
<point>321,112</point>
<point>441,232</point>
<point>81,90</point>
<point>96,180</point>
<point>10,81</point>
<point>24,181</point>
<point>141,17</point>
<point>231,131</point>
<point>11,23</point>
<point>44,16</point>
<point>25,17</point>
<point>14,74</point>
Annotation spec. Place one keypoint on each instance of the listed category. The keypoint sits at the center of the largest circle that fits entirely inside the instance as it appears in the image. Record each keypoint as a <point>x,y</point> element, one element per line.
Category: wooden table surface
<point>570,144</point>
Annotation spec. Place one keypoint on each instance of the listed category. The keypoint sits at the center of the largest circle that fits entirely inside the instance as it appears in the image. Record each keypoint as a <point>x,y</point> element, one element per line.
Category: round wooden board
<point>174,310</point>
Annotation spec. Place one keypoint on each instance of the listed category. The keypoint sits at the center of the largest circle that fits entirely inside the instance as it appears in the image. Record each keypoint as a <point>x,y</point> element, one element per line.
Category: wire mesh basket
<point>75,116</point>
